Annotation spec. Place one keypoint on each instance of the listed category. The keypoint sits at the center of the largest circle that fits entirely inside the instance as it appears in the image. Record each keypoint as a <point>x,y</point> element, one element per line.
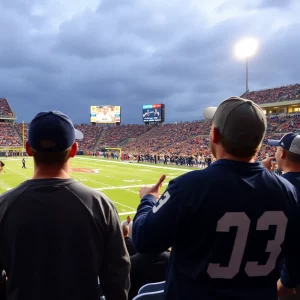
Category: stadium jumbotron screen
<point>105,114</point>
<point>152,113</point>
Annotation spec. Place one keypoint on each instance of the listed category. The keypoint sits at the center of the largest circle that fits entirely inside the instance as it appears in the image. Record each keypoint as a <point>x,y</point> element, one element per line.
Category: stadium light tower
<point>244,49</point>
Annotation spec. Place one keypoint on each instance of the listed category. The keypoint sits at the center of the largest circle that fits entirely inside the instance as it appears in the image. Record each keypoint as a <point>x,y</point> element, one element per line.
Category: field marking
<point>133,180</point>
<point>122,204</point>
<point>17,172</point>
<point>127,213</point>
<point>134,164</point>
<point>126,186</point>
<point>123,170</point>
<point>5,186</point>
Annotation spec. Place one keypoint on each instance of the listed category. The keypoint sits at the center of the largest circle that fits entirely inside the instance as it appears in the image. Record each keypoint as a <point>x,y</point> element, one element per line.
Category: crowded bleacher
<point>113,135</point>
<point>8,136</point>
<point>181,139</point>
<point>186,138</point>
<point>284,93</point>
<point>5,109</point>
<point>19,128</point>
<point>91,135</point>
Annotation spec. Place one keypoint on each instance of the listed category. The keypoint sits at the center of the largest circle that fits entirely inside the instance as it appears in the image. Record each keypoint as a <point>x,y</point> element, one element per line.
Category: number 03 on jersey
<point>242,222</point>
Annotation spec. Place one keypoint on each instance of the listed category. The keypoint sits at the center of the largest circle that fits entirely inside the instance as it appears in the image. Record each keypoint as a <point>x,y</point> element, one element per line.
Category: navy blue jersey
<point>228,226</point>
<point>294,178</point>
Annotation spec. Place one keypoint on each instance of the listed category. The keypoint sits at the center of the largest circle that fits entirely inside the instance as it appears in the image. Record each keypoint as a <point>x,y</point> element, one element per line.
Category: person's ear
<point>28,149</point>
<point>74,149</point>
<point>215,135</point>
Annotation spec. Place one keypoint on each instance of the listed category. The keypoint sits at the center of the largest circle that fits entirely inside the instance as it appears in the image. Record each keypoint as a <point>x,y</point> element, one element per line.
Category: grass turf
<point>120,181</point>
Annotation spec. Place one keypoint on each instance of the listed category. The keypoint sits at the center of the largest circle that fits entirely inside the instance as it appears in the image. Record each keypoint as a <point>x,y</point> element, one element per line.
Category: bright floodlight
<point>246,48</point>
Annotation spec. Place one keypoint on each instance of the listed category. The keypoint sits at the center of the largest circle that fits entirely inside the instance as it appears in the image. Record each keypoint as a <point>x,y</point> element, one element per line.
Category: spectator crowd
<point>5,109</point>
<point>284,93</point>
<point>183,139</point>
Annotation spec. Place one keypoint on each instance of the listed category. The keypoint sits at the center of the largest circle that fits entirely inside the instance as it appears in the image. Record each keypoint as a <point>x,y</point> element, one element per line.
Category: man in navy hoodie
<point>228,225</point>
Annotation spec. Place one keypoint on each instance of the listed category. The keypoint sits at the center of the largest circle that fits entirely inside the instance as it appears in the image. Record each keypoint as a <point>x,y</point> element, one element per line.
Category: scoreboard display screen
<point>105,114</point>
<point>152,113</point>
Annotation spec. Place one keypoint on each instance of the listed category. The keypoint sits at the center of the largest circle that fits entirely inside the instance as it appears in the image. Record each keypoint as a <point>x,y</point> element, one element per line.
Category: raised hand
<point>153,189</point>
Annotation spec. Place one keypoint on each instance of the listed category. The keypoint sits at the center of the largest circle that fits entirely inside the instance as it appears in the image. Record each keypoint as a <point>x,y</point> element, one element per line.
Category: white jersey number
<point>163,199</point>
<point>242,222</point>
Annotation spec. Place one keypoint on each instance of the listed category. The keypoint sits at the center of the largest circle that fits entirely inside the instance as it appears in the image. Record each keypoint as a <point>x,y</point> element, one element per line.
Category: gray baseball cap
<point>240,121</point>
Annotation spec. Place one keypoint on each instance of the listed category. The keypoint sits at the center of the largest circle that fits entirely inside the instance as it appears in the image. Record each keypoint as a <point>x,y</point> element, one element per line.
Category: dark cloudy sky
<point>70,54</point>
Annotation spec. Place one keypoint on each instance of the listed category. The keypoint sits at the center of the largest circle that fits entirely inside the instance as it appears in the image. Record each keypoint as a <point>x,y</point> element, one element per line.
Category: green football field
<point>120,181</point>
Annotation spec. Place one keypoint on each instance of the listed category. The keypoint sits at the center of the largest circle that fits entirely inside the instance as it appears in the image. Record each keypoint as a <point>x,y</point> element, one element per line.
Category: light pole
<point>244,49</point>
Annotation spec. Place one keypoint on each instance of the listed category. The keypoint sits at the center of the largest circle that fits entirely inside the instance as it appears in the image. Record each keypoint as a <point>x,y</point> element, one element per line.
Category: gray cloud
<point>138,52</point>
<point>275,3</point>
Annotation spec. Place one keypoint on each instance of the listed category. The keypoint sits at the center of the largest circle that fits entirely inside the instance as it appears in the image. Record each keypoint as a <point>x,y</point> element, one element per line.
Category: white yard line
<point>5,186</point>
<point>126,186</point>
<point>123,204</point>
<point>8,158</point>
<point>127,213</point>
<point>17,172</point>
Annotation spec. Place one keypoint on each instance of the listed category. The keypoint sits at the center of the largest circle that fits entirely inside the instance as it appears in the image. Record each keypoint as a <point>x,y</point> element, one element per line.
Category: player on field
<point>23,163</point>
<point>228,225</point>
<point>57,236</point>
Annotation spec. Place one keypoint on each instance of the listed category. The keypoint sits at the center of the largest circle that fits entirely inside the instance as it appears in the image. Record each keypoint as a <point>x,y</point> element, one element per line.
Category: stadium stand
<point>91,134</point>
<point>284,93</point>
<point>113,136</point>
<point>186,138</point>
<point>19,128</point>
<point>168,135</point>
<point>8,136</point>
<point>177,139</point>
<point>5,109</point>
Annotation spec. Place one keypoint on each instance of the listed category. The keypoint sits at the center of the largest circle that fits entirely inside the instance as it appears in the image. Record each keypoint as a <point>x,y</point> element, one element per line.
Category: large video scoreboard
<point>105,114</point>
<point>153,113</point>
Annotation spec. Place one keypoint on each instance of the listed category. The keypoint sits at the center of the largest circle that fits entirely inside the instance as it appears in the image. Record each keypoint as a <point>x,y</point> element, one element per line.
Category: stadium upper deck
<point>5,109</point>
<point>281,104</point>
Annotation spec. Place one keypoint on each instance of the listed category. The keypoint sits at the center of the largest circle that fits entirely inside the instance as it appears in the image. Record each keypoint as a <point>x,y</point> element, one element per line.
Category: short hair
<point>125,230</point>
<point>237,150</point>
<point>292,157</point>
<point>51,158</point>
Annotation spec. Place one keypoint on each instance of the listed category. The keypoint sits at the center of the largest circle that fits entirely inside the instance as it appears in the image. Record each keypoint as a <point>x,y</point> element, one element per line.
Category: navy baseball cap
<point>52,131</point>
<point>289,142</point>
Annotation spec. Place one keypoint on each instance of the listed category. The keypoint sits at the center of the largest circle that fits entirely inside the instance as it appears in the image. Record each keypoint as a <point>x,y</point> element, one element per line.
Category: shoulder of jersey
<point>192,176</point>
<point>284,181</point>
<point>94,192</point>
<point>16,191</point>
